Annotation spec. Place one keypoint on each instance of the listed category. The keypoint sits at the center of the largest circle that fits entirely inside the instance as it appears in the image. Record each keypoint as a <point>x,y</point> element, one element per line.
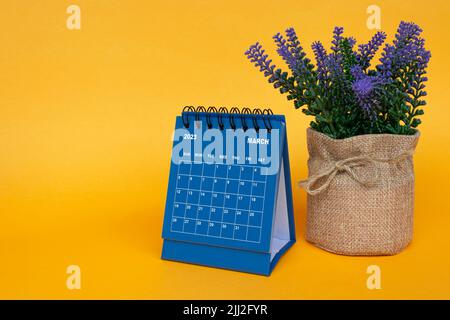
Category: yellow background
<point>85,124</point>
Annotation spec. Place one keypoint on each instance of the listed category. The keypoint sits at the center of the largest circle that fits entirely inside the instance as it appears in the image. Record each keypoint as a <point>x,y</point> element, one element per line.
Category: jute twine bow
<point>347,166</point>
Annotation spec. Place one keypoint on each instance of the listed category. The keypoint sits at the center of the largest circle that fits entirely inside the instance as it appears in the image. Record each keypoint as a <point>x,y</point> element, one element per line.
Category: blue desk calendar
<point>229,198</point>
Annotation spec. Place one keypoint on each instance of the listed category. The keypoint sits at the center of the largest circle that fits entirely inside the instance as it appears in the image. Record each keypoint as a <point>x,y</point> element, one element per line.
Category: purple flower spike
<point>256,55</point>
<point>334,65</point>
<point>296,50</point>
<point>294,45</point>
<point>285,53</point>
<point>405,32</point>
<point>279,79</point>
<point>337,38</point>
<point>407,47</point>
<point>351,42</point>
<point>367,51</point>
<point>405,63</point>
<point>357,72</point>
<point>321,57</point>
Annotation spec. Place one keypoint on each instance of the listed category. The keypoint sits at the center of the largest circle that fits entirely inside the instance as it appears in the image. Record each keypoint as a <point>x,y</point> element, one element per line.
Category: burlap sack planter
<point>360,193</point>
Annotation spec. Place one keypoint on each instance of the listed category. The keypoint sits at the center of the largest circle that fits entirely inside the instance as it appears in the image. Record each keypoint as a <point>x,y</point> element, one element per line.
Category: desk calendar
<point>229,198</point>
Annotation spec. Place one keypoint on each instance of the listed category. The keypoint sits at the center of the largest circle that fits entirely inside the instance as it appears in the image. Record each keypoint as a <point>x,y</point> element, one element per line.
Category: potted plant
<point>361,140</point>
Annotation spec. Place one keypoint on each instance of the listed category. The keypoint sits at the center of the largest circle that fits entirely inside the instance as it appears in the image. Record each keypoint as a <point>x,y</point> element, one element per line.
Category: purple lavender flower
<point>416,79</point>
<point>337,38</point>
<point>285,53</point>
<point>334,66</point>
<point>257,56</point>
<point>357,72</point>
<point>407,47</point>
<point>321,57</point>
<point>405,32</point>
<point>366,88</point>
<point>385,68</point>
<point>405,63</point>
<point>367,51</point>
<point>363,87</point>
<point>294,45</point>
<point>293,53</point>
<point>351,42</point>
<point>404,47</point>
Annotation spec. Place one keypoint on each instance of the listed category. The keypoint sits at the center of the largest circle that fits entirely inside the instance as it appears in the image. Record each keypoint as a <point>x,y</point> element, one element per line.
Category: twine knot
<point>312,186</point>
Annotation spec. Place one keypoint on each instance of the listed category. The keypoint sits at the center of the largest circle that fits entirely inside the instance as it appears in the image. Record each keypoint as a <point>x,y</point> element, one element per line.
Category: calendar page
<point>223,197</point>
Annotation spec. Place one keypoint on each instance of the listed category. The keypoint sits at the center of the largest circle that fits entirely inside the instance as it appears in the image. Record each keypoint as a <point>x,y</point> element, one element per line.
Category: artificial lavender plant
<point>345,95</point>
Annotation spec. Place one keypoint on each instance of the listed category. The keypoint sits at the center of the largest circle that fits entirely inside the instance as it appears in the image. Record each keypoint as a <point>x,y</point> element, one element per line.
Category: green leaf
<point>415,122</point>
